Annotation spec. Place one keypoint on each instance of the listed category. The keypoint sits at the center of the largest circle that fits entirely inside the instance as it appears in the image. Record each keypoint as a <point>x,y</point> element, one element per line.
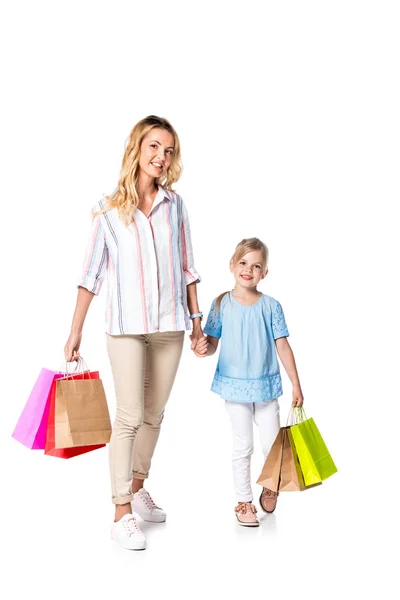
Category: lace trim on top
<point>248,390</point>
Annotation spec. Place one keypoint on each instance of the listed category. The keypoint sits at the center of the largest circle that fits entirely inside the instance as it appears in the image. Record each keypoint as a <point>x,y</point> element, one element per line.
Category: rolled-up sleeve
<point>96,258</point>
<point>191,274</point>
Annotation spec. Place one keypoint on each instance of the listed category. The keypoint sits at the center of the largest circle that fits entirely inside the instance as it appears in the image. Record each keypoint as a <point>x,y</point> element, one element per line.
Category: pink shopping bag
<point>32,424</point>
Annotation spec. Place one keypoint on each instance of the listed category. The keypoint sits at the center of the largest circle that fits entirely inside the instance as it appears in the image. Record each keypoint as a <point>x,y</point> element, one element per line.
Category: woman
<point>140,240</point>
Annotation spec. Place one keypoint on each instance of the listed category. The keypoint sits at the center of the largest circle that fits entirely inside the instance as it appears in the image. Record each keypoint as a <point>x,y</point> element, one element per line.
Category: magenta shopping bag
<point>32,424</point>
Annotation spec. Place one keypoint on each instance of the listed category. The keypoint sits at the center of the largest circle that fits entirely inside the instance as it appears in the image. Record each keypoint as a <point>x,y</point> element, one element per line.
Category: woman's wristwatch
<point>199,314</point>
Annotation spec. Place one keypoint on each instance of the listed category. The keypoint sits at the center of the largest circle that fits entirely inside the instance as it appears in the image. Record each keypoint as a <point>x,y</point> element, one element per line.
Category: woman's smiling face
<point>249,270</point>
<point>156,152</point>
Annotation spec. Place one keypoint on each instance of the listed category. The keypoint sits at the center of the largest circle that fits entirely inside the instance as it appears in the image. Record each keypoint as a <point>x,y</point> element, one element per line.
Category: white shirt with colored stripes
<point>147,265</point>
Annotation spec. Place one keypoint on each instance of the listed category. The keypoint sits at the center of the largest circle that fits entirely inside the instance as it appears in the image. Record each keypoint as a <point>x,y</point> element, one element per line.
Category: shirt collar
<point>162,195</point>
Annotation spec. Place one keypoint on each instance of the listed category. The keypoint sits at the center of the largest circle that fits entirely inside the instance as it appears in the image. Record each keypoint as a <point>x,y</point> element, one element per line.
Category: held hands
<point>201,347</point>
<point>199,344</point>
<point>71,349</point>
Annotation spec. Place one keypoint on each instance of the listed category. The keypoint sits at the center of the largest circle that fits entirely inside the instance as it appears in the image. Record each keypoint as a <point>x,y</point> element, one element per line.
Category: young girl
<point>252,330</point>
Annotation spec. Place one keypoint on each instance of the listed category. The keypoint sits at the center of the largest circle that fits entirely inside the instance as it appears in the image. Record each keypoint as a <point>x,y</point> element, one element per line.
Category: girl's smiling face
<point>156,152</point>
<point>249,270</point>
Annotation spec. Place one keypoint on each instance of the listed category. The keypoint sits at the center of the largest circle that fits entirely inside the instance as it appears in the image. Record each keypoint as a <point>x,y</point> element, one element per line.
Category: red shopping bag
<point>50,448</point>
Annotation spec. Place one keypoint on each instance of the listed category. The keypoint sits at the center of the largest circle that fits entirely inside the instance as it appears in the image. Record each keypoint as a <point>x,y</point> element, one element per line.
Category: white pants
<point>242,414</point>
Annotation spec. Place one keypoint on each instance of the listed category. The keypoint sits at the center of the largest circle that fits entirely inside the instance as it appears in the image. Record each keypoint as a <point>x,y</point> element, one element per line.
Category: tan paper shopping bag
<point>292,479</point>
<point>270,474</point>
<point>289,481</point>
<point>81,413</point>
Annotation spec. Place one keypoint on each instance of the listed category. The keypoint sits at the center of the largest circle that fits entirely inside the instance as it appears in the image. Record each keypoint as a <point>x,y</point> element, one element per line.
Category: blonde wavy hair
<point>125,198</point>
<point>243,247</point>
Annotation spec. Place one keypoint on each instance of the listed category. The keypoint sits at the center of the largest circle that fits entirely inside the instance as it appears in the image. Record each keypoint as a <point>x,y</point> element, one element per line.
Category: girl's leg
<point>164,351</point>
<point>266,416</point>
<point>127,355</point>
<point>241,416</point>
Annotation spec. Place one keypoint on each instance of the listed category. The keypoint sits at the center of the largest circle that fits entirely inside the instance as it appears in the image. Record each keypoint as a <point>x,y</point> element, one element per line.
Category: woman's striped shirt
<point>147,266</point>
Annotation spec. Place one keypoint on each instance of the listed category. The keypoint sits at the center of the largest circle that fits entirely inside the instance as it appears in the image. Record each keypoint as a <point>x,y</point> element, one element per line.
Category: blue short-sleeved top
<point>248,368</point>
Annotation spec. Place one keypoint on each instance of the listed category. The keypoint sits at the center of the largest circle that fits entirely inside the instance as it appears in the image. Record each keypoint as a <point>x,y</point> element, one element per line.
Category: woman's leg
<point>241,416</point>
<point>127,355</point>
<point>164,351</point>
<point>266,416</point>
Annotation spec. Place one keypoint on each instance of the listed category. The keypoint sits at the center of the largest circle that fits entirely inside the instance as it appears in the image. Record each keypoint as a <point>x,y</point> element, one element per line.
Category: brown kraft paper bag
<point>81,413</point>
<point>270,474</point>
<point>291,480</point>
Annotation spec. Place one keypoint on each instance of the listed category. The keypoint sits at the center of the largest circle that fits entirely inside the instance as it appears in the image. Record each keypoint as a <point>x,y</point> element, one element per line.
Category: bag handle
<point>302,413</point>
<point>296,415</point>
<point>80,367</point>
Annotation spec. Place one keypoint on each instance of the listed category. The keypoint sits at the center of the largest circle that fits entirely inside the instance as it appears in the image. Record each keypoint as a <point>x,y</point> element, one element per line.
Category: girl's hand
<point>297,397</point>
<point>71,350</point>
<point>201,347</point>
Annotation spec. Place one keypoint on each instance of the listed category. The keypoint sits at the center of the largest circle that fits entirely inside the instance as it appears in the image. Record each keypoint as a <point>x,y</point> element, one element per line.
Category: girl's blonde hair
<point>126,198</point>
<point>243,247</point>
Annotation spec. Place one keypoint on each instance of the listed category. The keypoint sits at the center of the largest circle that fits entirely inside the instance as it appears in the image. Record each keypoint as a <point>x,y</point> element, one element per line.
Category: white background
<point>288,115</point>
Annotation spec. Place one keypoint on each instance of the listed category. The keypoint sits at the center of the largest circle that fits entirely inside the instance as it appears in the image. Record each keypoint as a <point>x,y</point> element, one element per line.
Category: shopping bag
<point>63,421</point>
<point>31,427</point>
<point>291,480</point>
<point>282,471</point>
<point>81,413</point>
<point>314,458</point>
<point>270,474</point>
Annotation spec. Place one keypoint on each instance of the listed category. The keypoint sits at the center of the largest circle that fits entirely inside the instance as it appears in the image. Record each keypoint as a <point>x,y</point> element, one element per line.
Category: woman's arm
<point>92,277</point>
<point>193,306</point>
<point>286,356</point>
<point>71,350</point>
<point>191,275</point>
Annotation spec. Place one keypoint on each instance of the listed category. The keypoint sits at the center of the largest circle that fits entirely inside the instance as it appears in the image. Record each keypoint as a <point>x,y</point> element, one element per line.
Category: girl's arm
<point>206,346</point>
<point>286,356</point>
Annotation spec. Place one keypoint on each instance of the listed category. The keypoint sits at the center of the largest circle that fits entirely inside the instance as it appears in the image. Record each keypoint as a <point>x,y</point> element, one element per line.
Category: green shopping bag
<point>315,461</point>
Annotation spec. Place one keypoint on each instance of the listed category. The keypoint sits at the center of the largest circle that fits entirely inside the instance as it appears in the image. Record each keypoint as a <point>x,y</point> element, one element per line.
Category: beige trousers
<point>144,369</point>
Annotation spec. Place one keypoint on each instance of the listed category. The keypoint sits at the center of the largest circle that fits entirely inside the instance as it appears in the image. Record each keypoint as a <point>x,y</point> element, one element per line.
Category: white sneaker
<point>127,534</point>
<point>145,507</point>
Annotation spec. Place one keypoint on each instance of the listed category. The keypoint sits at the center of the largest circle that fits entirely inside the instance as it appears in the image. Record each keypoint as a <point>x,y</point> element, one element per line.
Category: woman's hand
<point>297,397</point>
<point>195,336</point>
<point>201,348</point>
<point>198,340</point>
<point>71,349</point>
